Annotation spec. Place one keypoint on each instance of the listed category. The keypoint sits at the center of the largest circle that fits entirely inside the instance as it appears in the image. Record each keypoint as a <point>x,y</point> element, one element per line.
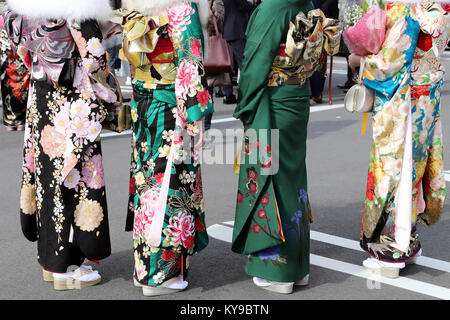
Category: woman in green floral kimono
<point>406,178</point>
<point>163,41</point>
<point>272,223</point>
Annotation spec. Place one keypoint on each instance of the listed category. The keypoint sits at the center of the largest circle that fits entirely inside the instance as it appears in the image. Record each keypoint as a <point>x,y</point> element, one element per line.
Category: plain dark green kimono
<point>272,223</point>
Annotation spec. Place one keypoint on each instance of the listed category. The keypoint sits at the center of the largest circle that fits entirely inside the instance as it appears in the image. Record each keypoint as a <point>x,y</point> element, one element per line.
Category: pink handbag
<point>220,58</point>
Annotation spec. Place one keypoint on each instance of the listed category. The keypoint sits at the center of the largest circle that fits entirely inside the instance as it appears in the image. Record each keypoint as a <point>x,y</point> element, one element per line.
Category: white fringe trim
<point>78,10</point>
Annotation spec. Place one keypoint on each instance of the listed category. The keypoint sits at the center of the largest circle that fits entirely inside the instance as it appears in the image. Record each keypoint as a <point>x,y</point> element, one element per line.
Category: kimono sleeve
<point>382,70</point>
<point>193,99</point>
<point>12,23</point>
<point>94,72</point>
<point>434,25</point>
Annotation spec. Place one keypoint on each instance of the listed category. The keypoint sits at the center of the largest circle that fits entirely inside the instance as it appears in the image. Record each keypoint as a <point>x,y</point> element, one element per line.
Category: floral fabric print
<point>405,78</point>
<point>63,200</point>
<point>15,83</point>
<point>169,97</point>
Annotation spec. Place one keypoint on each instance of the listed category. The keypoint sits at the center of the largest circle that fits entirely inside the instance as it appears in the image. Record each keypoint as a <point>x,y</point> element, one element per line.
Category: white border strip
<point>225,233</point>
<point>224,120</point>
<point>401,282</point>
<point>354,245</point>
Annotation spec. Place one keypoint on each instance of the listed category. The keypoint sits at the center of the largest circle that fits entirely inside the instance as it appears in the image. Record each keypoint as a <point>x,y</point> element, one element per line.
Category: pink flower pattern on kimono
<point>148,205</point>
<point>29,157</point>
<point>72,179</point>
<point>53,143</point>
<point>181,230</point>
<point>188,81</point>
<point>179,17</point>
<point>93,174</point>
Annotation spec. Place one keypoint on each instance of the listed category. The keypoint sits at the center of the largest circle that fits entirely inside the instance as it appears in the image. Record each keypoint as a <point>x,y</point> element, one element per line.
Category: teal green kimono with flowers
<point>170,98</point>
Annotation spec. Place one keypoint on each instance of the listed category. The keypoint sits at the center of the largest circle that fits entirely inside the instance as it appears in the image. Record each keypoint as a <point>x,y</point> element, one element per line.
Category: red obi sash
<point>163,46</point>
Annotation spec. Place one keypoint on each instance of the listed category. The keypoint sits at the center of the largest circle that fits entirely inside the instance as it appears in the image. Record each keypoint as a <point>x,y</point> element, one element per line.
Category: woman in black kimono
<point>63,200</point>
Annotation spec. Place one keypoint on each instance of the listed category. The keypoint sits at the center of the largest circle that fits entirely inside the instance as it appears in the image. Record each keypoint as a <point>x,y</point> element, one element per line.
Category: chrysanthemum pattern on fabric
<point>407,76</point>
<point>169,97</point>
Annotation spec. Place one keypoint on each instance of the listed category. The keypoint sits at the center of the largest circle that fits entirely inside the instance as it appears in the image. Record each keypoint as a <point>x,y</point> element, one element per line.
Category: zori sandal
<point>47,275</point>
<point>273,286</point>
<point>83,277</point>
<point>385,269</point>
<point>136,283</point>
<point>303,282</point>
<point>413,260</point>
<point>172,286</point>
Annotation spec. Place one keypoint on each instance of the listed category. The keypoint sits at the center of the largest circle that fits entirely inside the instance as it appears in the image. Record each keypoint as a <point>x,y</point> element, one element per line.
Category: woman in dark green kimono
<point>272,224</point>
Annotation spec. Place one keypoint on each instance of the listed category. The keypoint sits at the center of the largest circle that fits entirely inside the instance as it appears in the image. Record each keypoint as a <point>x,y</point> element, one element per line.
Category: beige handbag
<point>359,98</point>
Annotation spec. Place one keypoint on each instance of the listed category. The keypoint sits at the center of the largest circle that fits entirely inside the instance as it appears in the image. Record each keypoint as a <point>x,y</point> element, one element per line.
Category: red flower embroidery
<point>189,242</point>
<point>425,42</point>
<point>265,200</point>
<point>267,164</point>
<point>262,214</point>
<point>256,228</point>
<point>418,91</point>
<point>199,226</point>
<point>247,147</point>
<point>196,48</point>
<point>168,255</point>
<point>252,174</point>
<point>132,185</point>
<point>370,186</point>
<point>159,179</point>
<point>240,197</point>
<point>203,97</point>
<point>252,186</point>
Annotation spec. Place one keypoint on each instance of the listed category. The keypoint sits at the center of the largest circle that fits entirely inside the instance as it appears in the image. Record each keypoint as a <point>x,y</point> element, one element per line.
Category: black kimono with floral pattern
<point>63,200</point>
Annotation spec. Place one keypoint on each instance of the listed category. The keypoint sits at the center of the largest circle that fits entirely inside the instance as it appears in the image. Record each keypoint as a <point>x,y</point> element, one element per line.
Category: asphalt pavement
<point>337,161</point>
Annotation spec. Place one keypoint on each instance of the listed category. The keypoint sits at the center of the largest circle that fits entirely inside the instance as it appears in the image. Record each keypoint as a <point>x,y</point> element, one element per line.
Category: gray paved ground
<point>337,167</point>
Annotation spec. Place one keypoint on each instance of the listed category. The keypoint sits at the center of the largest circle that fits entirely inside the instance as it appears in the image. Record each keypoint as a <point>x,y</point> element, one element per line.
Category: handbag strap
<point>211,12</point>
<point>119,89</point>
<point>361,68</point>
<point>218,34</point>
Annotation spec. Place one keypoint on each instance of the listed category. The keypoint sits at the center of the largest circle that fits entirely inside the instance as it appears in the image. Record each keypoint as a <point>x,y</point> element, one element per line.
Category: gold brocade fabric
<point>306,41</point>
<point>141,35</point>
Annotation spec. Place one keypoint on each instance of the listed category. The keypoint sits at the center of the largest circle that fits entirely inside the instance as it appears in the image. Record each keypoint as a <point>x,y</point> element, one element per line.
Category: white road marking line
<point>221,233</point>
<point>326,107</point>
<point>225,233</point>
<point>401,282</point>
<point>354,245</point>
<point>224,120</point>
<point>339,61</point>
<point>116,135</point>
<point>344,72</point>
<point>447,175</point>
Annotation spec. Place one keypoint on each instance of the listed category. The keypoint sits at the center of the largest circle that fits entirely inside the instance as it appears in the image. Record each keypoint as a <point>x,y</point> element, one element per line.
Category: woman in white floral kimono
<point>164,42</point>
<point>63,201</point>
<point>406,178</point>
